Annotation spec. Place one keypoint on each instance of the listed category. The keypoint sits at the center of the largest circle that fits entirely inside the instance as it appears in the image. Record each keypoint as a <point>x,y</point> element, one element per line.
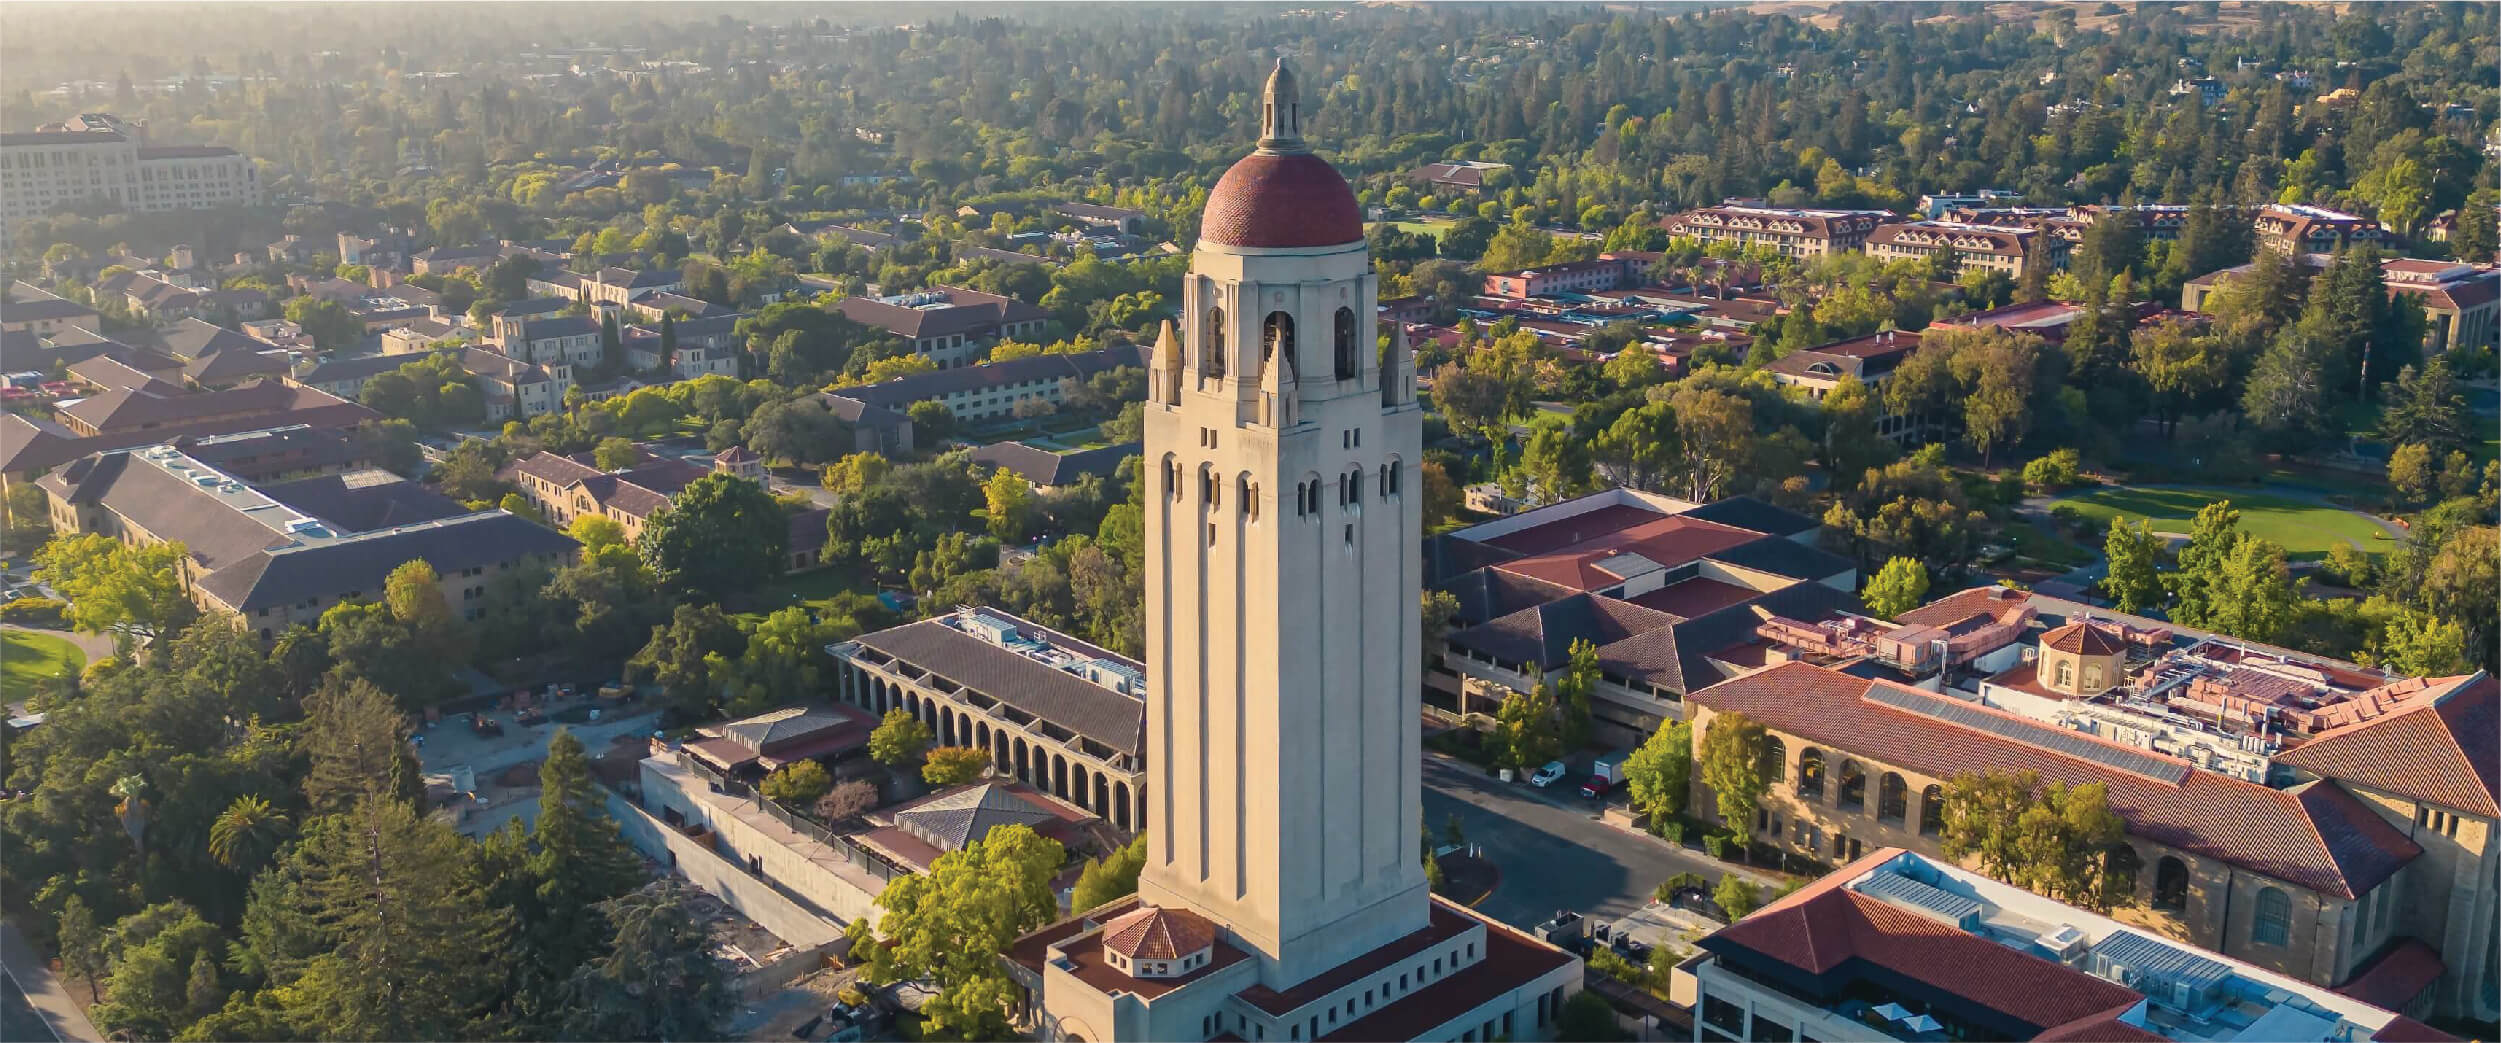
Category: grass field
<point>2306,530</point>
<point>1431,228</point>
<point>27,659</point>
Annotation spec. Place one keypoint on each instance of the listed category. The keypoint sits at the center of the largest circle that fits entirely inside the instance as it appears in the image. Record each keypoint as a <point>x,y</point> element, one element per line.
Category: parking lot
<point>1552,850</point>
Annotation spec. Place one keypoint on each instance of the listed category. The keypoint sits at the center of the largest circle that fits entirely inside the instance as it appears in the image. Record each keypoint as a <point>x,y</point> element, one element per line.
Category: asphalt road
<point>1551,848</point>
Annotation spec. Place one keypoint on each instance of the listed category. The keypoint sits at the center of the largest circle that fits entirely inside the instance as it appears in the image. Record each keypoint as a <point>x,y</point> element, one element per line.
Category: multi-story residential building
<point>990,389</point>
<point>948,324</point>
<point>30,446</point>
<point>705,346</point>
<point>417,335</point>
<point>1597,275</point>
<point>97,156</point>
<point>620,285</point>
<point>154,406</point>
<point>550,339</point>
<point>277,555</point>
<point>444,260</point>
<point>2296,229</point>
<point>1937,206</point>
<point>1993,247</point>
<point>1051,470</point>
<point>1119,219</point>
<point>1059,714</point>
<point>565,488</point>
<point>1459,175</point>
<point>2367,833</point>
<point>2462,301</point>
<point>1663,587</point>
<point>346,377</point>
<point>215,357</point>
<point>1900,946</point>
<point>1788,231</point>
<point>32,309</point>
<point>516,389</point>
<point>1872,359</point>
<point>2206,89</point>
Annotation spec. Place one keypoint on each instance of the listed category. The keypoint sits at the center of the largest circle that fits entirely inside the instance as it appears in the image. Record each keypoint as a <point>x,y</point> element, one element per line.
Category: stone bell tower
<point>1282,574</point>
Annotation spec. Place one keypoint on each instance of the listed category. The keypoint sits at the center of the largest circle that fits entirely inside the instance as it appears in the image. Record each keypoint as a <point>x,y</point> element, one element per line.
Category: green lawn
<point>28,659</point>
<point>1431,228</point>
<point>2305,530</point>
<point>2033,542</point>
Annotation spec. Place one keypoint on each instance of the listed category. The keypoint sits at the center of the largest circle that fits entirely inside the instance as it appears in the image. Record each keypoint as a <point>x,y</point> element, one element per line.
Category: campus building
<point>272,556</point>
<point>949,324</point>
<point>1669,592</point>
<point>2315,819</point>
<point>1282,898</point>
<point>1787,231</point>
<point>99,156</point>
<point>1994,248</point>
<point>1897,945</point>
<point>1054,712</point>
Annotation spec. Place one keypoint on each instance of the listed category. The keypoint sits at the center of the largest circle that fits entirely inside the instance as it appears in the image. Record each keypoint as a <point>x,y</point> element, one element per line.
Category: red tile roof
<point>1511,960</point>
<point>2082,639</point>
<point>1445,924</point>
<point>1668,540</point>
<point>2318,837</point>
<point>2438,751</point>
<point>2396,976</point>
<point>1155,933</point>
<point>1281,200</point>
<point>1826,931</point>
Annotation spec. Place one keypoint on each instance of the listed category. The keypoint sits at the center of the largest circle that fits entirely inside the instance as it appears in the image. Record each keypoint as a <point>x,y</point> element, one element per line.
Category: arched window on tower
<point>1345,344</point>
<point>1211,345</point>
<point>1276,337</point>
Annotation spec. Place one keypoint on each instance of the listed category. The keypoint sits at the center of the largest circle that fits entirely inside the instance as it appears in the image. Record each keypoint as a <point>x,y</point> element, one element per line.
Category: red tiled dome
<point>1281,201</point>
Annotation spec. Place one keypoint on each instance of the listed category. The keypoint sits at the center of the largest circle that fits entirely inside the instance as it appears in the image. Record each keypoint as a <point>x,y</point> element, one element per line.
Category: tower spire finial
<point>1281,113</point>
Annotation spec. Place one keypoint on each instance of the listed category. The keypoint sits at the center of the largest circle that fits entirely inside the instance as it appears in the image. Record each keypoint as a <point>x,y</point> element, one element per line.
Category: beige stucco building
<point>1282,896</point>
<point>2373,871</point>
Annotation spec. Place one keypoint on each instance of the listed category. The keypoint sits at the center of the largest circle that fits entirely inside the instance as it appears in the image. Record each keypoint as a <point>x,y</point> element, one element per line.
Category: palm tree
<point>246,833</point>
<point>133,808</point>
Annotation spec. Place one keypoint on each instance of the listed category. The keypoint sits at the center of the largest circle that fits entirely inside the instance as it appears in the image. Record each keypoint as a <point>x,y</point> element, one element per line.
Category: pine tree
<point>403,943</point>
<point>656,977</point>
<point>579,861</point>
<point>358,743</point>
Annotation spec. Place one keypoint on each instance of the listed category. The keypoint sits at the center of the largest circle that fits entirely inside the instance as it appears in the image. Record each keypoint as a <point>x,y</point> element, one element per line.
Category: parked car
<point>1597,787</point>
<point>1545,776</point>
<point>485,725</point>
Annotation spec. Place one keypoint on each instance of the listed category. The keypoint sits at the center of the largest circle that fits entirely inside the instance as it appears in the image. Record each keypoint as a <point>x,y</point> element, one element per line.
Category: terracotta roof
<point>1511,961</point>
<point>2397,975</point>
<point>1836,937</point>
<point>2100,1028</point>
<point>1155,933</point>
<point>2082,639</point>
<point>2318,836</point>
<point>1281,201</point>
<point>1665,541</point>
<point>2439,751</point>
<point>1445,923</point>
<point>1085,955</point>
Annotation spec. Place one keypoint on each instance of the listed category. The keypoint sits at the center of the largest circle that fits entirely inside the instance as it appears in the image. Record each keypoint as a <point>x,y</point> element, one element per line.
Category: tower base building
<point>1283,896</point>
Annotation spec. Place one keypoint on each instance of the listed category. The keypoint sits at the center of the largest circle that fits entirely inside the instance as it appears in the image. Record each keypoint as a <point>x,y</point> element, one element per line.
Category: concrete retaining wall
<point>755,899</point>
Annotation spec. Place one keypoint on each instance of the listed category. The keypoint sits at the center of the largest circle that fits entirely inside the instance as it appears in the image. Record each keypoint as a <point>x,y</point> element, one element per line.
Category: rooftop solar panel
<point>2048,737</point>
<point>1889,886</point>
